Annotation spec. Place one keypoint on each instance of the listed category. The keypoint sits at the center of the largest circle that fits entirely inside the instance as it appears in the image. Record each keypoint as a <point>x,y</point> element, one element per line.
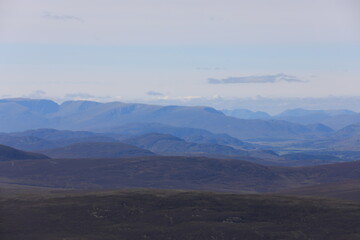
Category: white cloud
<point>36,94</point>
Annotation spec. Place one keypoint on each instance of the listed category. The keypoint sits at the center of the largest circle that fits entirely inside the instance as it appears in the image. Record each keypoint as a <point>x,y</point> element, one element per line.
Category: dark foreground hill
<point>10,154</point>
<point>347,190</point>
<point>308,159</point>
<point>171,173</point>
<point>176,215</point>
<point>98,150</point>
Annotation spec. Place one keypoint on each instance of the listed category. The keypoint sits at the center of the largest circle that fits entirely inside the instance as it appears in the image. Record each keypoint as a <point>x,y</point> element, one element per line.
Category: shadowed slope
<point>98,150</point>
<point>9,154</point>
<point>172,173</point>
<point>348,190</point>
<point>170,145</point>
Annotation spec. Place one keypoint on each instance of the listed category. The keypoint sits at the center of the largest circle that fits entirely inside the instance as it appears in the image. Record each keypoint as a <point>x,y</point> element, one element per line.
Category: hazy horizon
<point>272,106</point>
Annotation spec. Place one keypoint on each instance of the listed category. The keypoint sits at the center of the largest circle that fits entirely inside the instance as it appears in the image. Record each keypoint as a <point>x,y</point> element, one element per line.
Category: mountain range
<point>95,116</point>
<point>75,144</point>
<point>335,119</point>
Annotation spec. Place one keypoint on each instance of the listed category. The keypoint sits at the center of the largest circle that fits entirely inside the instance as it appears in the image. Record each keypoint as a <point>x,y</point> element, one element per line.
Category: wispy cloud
<point>36,94</point>
<point>256,79</point>
<point>61,17</point>
<point>153,93</point>
<point>87,97</point>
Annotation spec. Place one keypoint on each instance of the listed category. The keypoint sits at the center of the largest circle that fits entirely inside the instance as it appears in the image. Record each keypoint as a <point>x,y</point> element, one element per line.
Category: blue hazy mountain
<point>319,127</point>
<point>195,135</point>
<point>73,144</point>
<point>344,142</point>
<point>16,117</point>
<point>41,139</point>
<point>335,119</point>
<point>347,138</point>
<point>41,106</point>
<point>166,144</point>
<point>51,138</point>
<point>95,116</point>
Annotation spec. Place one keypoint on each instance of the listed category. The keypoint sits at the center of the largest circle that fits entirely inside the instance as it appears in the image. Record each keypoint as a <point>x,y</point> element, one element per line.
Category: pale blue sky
<point>121,50</point>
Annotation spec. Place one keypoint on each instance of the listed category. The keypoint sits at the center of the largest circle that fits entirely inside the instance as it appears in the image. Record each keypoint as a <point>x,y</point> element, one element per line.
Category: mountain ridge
<point>87,115</point>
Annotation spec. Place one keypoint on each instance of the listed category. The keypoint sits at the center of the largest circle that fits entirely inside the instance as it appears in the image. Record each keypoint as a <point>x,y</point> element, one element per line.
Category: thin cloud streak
<point>60,17</point>
<point>256,79</point>
<point>153,93</point>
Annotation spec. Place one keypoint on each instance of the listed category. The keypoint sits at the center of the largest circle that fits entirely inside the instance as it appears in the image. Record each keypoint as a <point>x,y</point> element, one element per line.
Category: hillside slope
<point>346,190</point>
<point>97,150</point>
<point>11,154</point>
<point>172,173</point>
<point>170,145</point>
<point>176,215</point>
<point>345,139</point>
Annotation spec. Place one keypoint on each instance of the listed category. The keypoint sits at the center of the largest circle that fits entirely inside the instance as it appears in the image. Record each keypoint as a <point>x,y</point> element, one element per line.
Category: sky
<point>187,51</point>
